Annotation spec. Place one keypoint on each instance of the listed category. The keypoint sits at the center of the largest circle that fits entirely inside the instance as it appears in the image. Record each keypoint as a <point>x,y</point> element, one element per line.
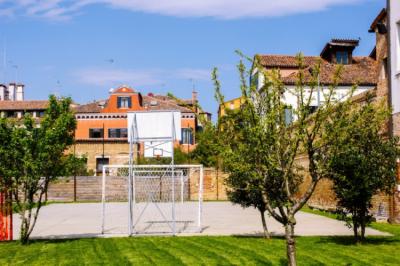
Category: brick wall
<point>324,196</point>
<point>117,152</point>
<point>89,188</point>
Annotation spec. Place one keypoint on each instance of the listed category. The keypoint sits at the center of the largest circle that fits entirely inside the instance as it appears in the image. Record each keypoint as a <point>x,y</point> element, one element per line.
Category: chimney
<point>3,89</point>
<point>194,100</point>
<point>11,91</point>
<point>20,92</point>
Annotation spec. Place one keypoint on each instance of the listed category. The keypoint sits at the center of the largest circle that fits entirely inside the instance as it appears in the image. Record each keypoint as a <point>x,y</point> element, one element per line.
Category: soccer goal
<point>160,199</point>
<point>164,200</point>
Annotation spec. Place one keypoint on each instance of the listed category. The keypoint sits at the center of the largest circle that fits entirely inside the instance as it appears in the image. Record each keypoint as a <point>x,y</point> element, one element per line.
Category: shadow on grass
<point>350,241</point>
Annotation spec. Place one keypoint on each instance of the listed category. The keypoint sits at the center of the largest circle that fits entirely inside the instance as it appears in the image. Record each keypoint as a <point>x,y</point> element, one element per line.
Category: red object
<point>6,222</point>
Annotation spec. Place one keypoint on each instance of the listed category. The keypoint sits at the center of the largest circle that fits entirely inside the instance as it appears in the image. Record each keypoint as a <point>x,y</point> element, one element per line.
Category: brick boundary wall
<point>384,207</point>
<point>88,188</point>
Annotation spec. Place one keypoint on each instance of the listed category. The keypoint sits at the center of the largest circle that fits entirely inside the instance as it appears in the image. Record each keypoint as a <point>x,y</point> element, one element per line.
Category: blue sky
<point>82,48</point>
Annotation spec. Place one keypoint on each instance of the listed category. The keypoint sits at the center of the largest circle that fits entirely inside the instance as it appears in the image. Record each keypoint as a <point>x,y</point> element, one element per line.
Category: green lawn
<point>205,251</point>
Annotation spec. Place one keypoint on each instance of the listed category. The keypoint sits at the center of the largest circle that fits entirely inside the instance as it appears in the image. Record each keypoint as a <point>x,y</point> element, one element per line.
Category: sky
<point>83,48</point>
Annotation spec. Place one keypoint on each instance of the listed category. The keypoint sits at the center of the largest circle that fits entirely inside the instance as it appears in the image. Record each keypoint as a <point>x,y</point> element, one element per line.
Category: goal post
<point>152,189</point>
<point>164,201</point>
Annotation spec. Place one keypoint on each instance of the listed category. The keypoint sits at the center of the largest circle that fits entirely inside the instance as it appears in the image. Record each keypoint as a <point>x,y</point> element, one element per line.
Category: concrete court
<point>219,218</point>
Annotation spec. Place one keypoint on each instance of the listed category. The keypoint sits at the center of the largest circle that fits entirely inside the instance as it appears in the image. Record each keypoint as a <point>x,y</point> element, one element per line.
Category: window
<point>124,102</point>
<point>12,114</point>
<point>100,162</point>
<point>312,109</point>
<point>117,133</point>
<point>254,80</point>
<point>187,136</point>
<point>95,133</point>
<point>342,58</point>
<point>288,116</point>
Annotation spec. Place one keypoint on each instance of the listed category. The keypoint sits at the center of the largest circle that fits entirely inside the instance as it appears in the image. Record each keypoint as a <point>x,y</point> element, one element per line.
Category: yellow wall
<point>232,104</point>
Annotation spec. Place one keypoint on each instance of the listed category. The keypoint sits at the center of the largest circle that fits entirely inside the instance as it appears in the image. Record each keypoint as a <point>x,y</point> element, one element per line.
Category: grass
<point>204,250</point>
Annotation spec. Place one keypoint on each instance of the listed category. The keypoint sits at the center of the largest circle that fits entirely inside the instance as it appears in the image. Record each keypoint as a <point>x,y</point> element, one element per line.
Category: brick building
<point>101,132</point>
<point>386,28</point>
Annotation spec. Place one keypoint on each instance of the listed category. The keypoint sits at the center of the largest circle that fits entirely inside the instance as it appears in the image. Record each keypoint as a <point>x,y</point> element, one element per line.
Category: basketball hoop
<point>157,153</point>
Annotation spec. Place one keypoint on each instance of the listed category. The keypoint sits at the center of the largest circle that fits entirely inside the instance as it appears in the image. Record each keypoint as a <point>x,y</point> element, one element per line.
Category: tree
<point>207,149</point>
<point>362,162</point>
<point>246,165</point>
<point>31,156</point>
<point>272,140</point>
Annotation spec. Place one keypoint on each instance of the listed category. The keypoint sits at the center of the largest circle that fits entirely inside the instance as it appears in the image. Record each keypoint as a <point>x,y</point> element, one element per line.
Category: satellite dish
<point>111,90</point>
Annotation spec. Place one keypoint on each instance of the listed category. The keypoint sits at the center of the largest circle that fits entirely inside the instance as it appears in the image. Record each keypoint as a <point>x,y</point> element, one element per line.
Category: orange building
<point>101,132</point>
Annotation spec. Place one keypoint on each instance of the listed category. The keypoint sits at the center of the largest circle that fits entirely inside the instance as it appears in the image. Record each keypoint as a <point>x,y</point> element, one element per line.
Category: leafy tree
<point>208,148</point>
<point>31,156</point>
<point>362,161</point>
<point>267,142</point>
<point>75,166</point>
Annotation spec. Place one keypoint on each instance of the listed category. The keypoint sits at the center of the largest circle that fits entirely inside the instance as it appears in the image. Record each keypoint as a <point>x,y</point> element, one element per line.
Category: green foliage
<point>180,157</point>
<point>260,143</point>
<point>75,166</point>
<point>362,161</point>
<point>32,155</point>
<point>208,147</point>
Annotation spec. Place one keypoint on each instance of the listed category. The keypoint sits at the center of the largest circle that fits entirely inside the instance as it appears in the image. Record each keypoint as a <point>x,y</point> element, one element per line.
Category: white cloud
<point>108,77</point>
<point>222,9</point>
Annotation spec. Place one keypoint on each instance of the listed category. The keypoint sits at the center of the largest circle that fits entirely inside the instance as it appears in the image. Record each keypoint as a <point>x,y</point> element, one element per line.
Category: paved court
<point>219,218</point>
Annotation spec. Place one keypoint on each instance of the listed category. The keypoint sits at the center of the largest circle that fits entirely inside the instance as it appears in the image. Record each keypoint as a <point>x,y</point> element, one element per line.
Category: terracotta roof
<point>284,61</point>
<point>124,89</point>
<point>362,71</point>
<point>156,102</point>
<point>93,107</point>
<point>378,19</point>
<point>160,102</point>
<point>23,105</point>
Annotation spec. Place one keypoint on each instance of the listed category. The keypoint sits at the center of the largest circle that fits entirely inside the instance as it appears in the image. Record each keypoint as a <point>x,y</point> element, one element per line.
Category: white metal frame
<point>131,169</point>
<point>134,139</point>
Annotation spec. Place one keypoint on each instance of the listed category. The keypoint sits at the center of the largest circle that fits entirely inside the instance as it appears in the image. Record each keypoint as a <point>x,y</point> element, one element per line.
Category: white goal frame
<point>159,127</point>
<point>131,202</point>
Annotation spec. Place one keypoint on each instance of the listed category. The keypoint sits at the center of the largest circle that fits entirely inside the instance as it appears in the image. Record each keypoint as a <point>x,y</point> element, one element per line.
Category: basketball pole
<point>173,175</point>
<point>130,179</point>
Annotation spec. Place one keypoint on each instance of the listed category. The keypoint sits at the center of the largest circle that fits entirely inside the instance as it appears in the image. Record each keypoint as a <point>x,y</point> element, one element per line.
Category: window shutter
<point>182,135</point>
<point>119,102</point>
<point>129,102</point>
<point>191,137</point>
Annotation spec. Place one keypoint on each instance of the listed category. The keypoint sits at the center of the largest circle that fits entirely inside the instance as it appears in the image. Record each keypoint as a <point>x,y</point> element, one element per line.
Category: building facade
<point>102,135</point>
<point>357,70</point>
<point>13,105</point>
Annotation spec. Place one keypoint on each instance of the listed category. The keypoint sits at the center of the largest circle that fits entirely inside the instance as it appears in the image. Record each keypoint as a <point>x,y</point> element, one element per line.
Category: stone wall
<point>88,188</point>
<point>117,152</point>
<point>324,196</point>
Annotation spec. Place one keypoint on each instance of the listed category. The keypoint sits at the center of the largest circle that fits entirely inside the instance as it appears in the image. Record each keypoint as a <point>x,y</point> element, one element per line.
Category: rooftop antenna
<point>193,85</point>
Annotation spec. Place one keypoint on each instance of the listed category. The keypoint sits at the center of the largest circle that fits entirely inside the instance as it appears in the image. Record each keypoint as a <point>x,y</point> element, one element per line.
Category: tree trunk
<point>362,226</point>
<point>24,236</point>
<point>355,229</point>
<point>264,224</point>
<point>290,244</point>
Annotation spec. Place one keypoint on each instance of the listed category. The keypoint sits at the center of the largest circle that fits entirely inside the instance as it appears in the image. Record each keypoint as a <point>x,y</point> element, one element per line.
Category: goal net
<point>165,199</point>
